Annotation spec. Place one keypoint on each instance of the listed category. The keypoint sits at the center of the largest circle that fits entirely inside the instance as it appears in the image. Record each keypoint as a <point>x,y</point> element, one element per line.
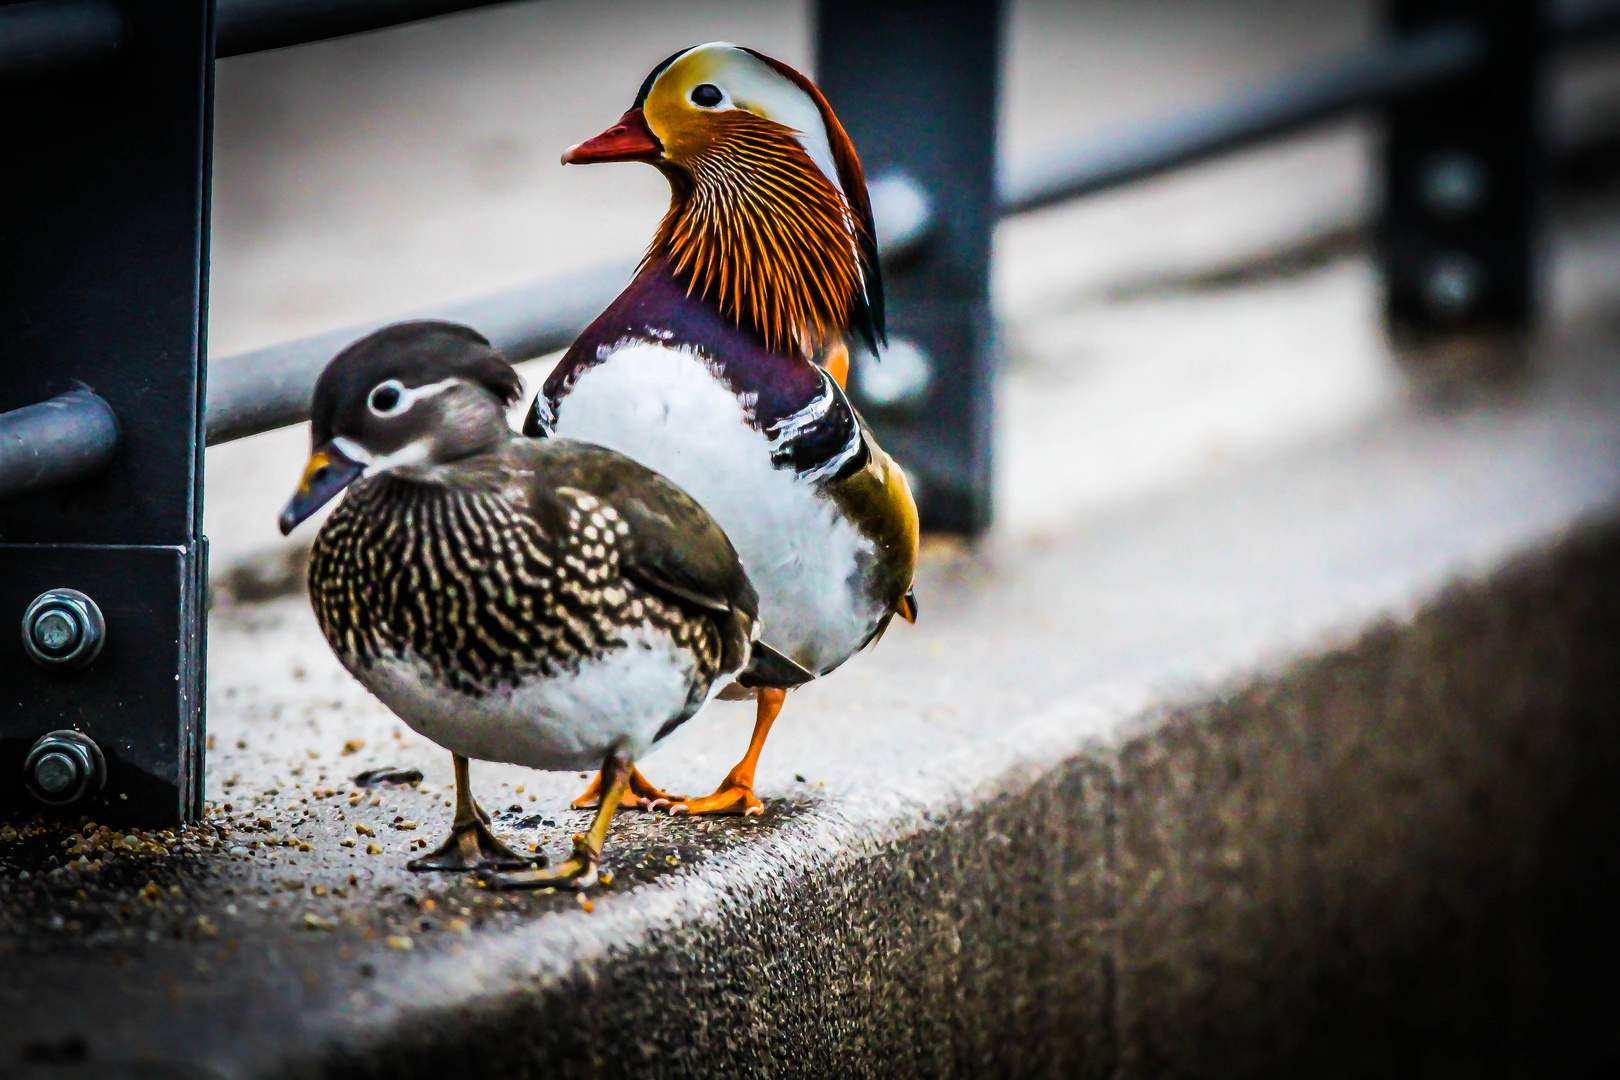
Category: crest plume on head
<point>769,216</point>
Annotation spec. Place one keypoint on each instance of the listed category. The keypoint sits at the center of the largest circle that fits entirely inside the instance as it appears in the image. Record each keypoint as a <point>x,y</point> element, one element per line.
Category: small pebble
<point>399,941</point>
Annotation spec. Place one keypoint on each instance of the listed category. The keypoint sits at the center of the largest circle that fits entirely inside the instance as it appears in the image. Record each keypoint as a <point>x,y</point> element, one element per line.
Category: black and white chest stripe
<point>819,442</point>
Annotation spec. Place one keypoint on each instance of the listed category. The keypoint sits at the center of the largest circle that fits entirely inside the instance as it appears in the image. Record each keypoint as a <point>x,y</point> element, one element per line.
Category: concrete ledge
<point>1305,771</point>
<point>1394,859</point>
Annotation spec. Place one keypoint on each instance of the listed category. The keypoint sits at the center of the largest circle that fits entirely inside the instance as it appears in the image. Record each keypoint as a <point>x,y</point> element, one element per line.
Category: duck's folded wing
<point>670,544</point>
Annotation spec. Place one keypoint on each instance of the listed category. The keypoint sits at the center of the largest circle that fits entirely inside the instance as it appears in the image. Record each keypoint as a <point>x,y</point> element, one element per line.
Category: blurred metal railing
<point>268,388</point>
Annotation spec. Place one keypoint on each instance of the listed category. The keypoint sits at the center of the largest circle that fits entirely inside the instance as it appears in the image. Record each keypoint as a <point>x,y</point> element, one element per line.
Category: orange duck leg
<point>735,795</point>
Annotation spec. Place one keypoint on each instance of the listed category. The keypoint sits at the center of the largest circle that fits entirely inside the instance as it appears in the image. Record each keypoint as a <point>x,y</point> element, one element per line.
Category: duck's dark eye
<point>385,398</point>
<point>706,95</point>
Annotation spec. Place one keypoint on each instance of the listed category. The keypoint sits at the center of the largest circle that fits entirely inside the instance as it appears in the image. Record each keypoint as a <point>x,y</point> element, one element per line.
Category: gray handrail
<point>67,438</point>
<point>269,388</point>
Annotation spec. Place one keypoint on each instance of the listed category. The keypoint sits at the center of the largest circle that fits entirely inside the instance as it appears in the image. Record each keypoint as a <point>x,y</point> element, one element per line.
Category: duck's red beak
<point>628,140</point>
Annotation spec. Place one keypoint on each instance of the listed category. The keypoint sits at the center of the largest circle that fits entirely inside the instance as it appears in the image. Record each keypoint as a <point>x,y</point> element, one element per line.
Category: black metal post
<point>104,251</point>
<point>1463,164</point>
<point>46,35</point>
<point>914,82</point>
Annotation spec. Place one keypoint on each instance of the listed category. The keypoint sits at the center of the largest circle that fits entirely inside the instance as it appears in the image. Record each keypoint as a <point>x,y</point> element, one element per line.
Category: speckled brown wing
<point>673,548</point>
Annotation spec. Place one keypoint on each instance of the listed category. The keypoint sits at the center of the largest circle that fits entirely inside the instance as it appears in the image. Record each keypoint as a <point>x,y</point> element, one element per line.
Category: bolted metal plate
<point>105,240</point>
<point>140,700</point>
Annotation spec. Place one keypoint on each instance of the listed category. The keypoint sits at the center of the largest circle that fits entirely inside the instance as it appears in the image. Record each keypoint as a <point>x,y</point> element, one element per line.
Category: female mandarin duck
<point>551,604</point>
<point>721,365</point>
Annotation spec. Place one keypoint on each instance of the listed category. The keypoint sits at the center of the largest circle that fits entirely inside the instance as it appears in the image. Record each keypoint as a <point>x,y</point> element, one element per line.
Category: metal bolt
<point>1454,184</point>
<point>63,767</point>
<point>55,773</point>
<point>1452,284</point>
<point>900,377</point>
<point>63,629</point>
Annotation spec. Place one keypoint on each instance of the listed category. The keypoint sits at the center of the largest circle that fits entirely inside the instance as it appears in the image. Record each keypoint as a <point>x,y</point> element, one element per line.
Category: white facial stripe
<point>750,83</point>
<point>410,454</point>
<point>351,450</point>
<point>409,396</point>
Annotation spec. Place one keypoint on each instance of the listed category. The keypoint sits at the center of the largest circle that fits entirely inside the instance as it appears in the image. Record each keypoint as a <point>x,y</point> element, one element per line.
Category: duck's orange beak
<point>628,140</point>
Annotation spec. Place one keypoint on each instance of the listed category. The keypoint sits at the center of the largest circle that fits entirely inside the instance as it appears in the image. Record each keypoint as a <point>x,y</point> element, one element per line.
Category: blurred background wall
<point>1149,335</point>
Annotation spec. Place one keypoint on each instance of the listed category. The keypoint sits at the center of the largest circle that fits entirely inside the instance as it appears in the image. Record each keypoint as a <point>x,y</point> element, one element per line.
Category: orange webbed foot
<point>640,795</point>
<point>734,796</point>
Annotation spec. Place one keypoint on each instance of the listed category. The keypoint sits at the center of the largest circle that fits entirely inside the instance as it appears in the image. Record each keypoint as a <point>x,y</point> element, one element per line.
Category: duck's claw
<point>731,798</point>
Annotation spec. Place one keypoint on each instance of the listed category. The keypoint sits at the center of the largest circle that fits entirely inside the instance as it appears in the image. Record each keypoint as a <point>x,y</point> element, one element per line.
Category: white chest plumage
<point>569,721</point>
<point>664,407</point>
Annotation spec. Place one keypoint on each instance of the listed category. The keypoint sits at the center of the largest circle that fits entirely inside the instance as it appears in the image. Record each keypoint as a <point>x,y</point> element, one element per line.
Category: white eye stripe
<point>408,396</point>
<point>411,453</point>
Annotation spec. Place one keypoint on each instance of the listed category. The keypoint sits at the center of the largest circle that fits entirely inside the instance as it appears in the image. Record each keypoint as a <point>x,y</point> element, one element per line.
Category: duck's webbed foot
<point>472,846</point>
<point>578,871</point>
<point>735,795</point>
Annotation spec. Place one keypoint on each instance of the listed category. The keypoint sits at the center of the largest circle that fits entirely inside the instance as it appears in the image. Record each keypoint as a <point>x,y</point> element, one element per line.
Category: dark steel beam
<point>1463,181</point>
<point>915,84</point>
<point>70,437</point>
<point>249,26</point>
<point>48,35</point>
<point>105,242</point>
<point>1588,24</point>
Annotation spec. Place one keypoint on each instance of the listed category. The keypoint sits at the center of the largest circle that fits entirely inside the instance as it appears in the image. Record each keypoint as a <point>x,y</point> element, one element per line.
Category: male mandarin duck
<point>547,603</point>
<point>721,365</point>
